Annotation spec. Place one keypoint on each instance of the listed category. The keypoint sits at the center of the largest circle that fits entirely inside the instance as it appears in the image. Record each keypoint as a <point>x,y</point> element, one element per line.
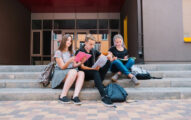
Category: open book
<point>124,60</point>
<point>100,62</point>
<point>81,55</point>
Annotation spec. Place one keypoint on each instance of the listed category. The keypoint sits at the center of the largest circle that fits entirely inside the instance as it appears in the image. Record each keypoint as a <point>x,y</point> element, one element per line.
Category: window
<point>103,24</point>
<point>36,24</point>
<point>104,34</point>
<point>46,42</point>
<point>93,31</point>
<point>114,24</point>
<point>47,24</point>
<point>64,24</point>
<point>36,42</point>
<point>86,24</point>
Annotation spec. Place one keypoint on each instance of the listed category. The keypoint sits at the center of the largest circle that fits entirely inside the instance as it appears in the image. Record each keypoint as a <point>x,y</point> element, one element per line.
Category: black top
<point>117,53</point>
<point>90,62</point>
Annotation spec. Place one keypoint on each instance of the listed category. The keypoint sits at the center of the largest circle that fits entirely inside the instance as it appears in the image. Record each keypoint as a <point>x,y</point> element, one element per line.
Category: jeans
<point>117,66</point>
<point>98,77</point>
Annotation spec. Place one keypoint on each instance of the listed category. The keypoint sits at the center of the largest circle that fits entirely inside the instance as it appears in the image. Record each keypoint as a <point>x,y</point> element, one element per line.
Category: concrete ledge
<point>149,67</point>
<point>166,82</point>
<point>92,94</point>
<point>36,75</point>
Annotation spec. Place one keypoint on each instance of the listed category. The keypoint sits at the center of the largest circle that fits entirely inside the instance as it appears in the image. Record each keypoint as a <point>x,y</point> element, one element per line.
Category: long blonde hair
<point>120,37</point>
<point>63,44</point>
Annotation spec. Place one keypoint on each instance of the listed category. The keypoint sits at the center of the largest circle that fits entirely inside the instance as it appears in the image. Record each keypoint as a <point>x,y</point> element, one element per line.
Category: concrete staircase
<point>22,83</point>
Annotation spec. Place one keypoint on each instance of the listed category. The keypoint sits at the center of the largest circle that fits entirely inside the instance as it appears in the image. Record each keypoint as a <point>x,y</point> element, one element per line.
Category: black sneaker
<point>107,101</point>
<point>64,100</point>
<point>76,101</point>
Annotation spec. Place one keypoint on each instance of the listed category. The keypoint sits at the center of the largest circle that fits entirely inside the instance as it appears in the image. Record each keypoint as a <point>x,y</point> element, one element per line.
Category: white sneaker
<point>134,79</point>
<point>114,78</point>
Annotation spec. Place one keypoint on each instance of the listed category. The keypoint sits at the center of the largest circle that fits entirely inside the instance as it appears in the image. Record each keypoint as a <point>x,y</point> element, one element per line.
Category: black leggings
<point>98,77</point>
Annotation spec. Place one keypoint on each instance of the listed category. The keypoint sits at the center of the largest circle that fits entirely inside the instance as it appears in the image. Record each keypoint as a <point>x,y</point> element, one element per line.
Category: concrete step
<point>20,75</point>
<point>166,82</point>
<point>171,74</point>
<point>92,93</point>
<point>22,68</point>
<point>150,67</point>
<point>165,67</point>
<point>36,75</point>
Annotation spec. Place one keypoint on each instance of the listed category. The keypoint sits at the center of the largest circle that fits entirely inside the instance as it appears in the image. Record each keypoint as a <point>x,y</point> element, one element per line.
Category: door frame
<point>32,43</point>
<point>87,31</point>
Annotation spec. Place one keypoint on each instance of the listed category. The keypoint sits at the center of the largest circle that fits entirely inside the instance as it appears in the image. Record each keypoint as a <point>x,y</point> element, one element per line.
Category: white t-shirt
<point>65,57</point>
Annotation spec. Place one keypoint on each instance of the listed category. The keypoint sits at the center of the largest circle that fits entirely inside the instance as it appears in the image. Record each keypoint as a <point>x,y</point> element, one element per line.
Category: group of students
<point>68,71</point>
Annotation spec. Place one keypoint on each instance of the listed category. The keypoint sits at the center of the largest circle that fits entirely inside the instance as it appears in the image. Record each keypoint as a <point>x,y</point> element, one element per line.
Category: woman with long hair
<point>66,71</point>
<point>118,51</point>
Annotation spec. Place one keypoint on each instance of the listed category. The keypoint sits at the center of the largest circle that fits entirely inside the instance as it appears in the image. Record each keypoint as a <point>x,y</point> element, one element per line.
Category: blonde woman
<point>118,51</point>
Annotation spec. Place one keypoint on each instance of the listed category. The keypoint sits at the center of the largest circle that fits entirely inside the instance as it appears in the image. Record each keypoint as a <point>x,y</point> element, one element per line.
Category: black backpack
<point>47,74</point>
<point>116,92</point>
<point>142,74</point>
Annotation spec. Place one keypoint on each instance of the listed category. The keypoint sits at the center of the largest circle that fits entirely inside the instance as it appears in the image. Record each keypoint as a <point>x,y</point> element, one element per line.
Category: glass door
<point>80,38</point>
<point>36,45</point>
<point>40,47</point>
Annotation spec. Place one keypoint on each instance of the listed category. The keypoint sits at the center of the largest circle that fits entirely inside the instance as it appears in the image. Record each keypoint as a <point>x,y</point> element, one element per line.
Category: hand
<point>109,57</point>
<point>83,60</point>
<point>97,68</point>
<point>72,59</point>
<point>126,57</point>
<point>114,58</point>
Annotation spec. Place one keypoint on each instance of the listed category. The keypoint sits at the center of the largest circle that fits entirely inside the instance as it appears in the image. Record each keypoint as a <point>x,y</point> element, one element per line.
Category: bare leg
<point>71,77</point>
<point>134,79</point>
<point>119,73</point>
<point>130,75</point>
<point>79,83</point>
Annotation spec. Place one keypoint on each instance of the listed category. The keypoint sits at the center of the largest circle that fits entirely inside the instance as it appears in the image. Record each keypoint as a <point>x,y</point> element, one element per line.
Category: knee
<point>131,60</point>
<point>81,73</point>
<point>116,61</point>
<point>73,72</point>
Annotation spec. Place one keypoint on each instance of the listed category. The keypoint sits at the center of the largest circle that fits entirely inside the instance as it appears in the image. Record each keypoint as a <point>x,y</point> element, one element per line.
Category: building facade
<point>153,30</point>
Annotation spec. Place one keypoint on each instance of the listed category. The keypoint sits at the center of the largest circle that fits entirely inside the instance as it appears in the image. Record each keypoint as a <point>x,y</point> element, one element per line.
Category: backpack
<point>116,92</point>
<point>142,74</point>
<point>46,75</point>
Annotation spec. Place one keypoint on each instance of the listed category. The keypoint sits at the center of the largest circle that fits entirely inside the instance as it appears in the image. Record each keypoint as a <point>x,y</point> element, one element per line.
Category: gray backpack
<point>46,75</point>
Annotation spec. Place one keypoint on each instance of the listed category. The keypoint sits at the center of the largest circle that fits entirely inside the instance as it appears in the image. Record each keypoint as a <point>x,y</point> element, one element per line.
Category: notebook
<point>81,55</point>
<point>100,62</point>
<point>124,60</point>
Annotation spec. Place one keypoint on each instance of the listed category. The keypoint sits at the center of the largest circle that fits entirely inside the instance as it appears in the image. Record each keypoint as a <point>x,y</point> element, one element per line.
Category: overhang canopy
<point>70,6</point>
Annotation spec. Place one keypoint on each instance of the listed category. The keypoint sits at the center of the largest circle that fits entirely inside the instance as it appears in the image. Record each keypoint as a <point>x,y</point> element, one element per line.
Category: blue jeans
<point>117,66</point>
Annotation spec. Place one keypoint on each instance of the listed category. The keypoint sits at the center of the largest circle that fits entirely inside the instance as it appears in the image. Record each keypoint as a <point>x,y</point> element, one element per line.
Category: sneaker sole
<point>63,102</point>
<point>77,103</point>
<point>137,84</point>
<point>107,105</point>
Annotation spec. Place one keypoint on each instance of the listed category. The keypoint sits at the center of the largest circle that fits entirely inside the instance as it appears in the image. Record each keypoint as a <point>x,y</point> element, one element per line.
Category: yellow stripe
<point>125,32</point>
<point>187,39</point>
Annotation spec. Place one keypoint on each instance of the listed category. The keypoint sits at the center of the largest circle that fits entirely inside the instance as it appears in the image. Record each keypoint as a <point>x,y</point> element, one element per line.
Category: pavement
<point>95,110</point>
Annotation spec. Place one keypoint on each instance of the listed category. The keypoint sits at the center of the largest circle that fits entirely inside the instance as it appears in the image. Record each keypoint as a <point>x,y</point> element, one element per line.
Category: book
<point>100,62</point>
<point>125,60</point>
<point>81,55</point>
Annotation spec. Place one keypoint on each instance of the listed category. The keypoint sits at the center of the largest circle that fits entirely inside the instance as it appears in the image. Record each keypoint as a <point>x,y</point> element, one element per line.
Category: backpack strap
<point>156,77</point>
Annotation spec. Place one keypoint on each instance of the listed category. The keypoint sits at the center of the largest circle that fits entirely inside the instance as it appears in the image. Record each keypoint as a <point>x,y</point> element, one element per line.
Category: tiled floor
<point>93,110</point>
